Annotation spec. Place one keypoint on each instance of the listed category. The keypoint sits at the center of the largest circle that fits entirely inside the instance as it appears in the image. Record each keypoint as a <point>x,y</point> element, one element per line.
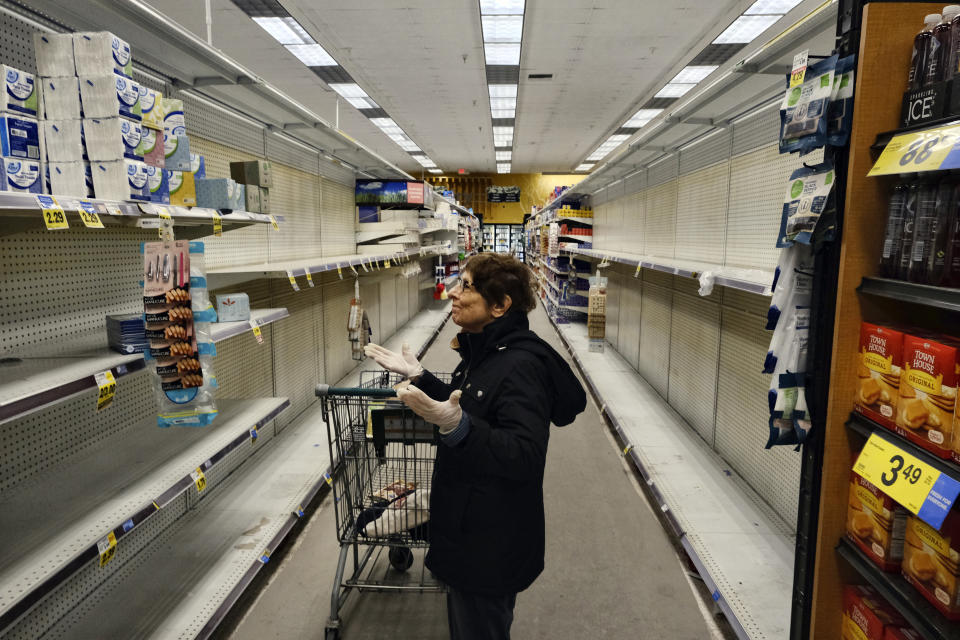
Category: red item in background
<point>438,291</point>
<point>901,633</point>
<point>866,610</point>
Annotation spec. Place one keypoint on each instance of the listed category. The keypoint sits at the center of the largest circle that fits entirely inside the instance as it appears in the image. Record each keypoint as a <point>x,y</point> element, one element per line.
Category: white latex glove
<point>446,415</point>
<point>404,363</point>
<point>402,515</point>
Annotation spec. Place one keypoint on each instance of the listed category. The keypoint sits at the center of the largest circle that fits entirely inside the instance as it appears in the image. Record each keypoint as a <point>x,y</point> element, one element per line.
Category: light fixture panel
<point>501,7</point>
<point>693,74</point>
<point>349,90</point>
<point>502,28</point>
<point>285,30</point>
<point>745,29</point>
<point>771,7</point>
<point>642,117</point>
<point>674,90</point>
<point>502,90</point>
<point>502,54</point>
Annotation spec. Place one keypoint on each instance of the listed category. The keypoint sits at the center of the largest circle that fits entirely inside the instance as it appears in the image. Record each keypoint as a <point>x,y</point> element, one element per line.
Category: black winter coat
<point>486,503</point>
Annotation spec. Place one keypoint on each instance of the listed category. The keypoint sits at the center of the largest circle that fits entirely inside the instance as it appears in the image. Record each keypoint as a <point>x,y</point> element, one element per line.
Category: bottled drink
<point>921,49</point>
<point>892,237</point>
<point>938,59</point>
<point>938,270</point>
<point>918,192</point>
<point>924,228</point>
<point>954,68</point>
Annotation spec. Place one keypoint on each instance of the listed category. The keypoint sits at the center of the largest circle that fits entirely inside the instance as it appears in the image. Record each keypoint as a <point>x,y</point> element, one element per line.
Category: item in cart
<point>866,615</point>
<point>54,53</point>
<point>902,197</point>
<point>803,111</point>
<point>102,52</point>
<point>930,561</point>
<point>21,176</point>
<point>108,96</point>
<point>876,524</point>
<point>21,94</point>
<point>928,393</point>
<point>921,50</point>
<point>879,366</point>
<point>806,200</point>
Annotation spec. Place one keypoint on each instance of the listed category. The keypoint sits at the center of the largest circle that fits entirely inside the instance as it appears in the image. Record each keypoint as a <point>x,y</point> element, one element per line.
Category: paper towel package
<point>158,185</point>
<point>21,176</point>
<point>63,140</point>
<point>151,108</point>
<point>253,198</point>
<point>61,98</point>
<point>220,193</point>
<point>198,165</point>
<point>233,307</point>
<point>101,52</point>
<point>256,172</point>
<point>151,147</point>
<point>54,53</point>
<point>68,178</point>
<point>111,138</point>
<point>110,179</point>
<point>105,96</point>
<point>19,137</point>
<point>264,200</point>
<point>177,154</point>
<point>21,95</point>
<point>183,189</point>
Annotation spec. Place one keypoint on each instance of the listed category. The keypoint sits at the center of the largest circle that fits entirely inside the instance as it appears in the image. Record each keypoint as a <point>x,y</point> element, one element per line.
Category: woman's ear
<point>499,310</point>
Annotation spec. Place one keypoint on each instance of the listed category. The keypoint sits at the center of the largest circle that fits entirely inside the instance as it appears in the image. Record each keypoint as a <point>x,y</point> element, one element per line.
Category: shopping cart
<point>383,457</point>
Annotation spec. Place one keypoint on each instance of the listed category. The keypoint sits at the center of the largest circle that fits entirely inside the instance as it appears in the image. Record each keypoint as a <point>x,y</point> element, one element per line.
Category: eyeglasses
<point>463,285</point>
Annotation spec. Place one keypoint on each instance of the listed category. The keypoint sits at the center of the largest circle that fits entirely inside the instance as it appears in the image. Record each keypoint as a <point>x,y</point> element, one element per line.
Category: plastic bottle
<point>924,228</point>
<point>938,266</point>
<point>954,68</point>
<point>938,60</point>
<point>921,49</point>
<point>893,235</point>
<point>918,191</point>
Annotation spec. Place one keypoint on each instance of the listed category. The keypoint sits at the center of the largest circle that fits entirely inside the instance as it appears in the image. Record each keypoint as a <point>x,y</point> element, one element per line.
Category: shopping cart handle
<point>326,390</point>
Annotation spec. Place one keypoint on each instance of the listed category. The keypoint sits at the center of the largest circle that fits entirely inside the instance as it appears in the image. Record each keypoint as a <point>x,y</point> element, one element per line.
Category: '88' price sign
<point>917,151</point>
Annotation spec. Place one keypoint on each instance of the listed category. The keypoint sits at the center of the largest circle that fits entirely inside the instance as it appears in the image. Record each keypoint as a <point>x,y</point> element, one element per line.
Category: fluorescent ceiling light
<point>693,74</point>
<point>409,145</point>
<point>503,167</point>
<point>504,155</point>
<point>503,103</point>
<point>312,55</point>
<point>502,28</point>
<point>435,170</point>
<point>285,30</point>
<point>362,103</point>
<point>397,137</point>
<point>501,7</point>
<point>584,167</point>
<point>642,117</point>
<point>771,7</point>
<point>503,131</point>
<point>388,126</point>
<point>617,139</point>
<point>502,54</point>
<point>673,90</point>
<point>503,113</point>
<point>349,90</point>
<point>425,161</point>
<point>502,141</point>
<point>502,90</point>
<point>745,28</point>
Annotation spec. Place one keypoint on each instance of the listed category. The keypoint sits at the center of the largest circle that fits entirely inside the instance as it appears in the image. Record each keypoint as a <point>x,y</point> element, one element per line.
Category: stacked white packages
<point>21,146</point>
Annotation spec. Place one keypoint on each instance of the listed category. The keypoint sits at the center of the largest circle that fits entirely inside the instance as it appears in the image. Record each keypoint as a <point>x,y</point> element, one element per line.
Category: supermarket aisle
<point>610,570</point>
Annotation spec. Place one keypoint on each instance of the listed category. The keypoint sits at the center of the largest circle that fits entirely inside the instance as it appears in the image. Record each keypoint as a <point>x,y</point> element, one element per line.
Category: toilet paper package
<point>108,139</point>
<point>61,98</point>
<point>21,95</point>
<point>101,52</point>
<point>158,185</point>
<point>68,178</point>
<point>63,141</point>
<point>19,137</point>
<point>54,53</point>
<point>177,154</point>
<point>120,180</point>
<point>151,147</point>
<point>21,176</point>
<point>151,108</point>
<point>198,165</point>
<point>183,189</point>
<point>109,95</point>
<point>220,193</point>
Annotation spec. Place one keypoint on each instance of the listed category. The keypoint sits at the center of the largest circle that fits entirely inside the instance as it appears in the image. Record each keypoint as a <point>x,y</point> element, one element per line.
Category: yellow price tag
<point>88,215</point>
<point>256,332</point>
<point>309,277</point>
<point>164,213</point>
<point>340,272</point>
<point>386,264</point>
<point>107,547</point>
<point>799,70</point>
<point>217,223</point>
<point>273,222</point>
<point>636,274</point>
<point>293,281</point>
<point>916,151</point>
<point>903,477</point>
<point>108,388</point>
<point>199,480</point>
<point>53,214</point>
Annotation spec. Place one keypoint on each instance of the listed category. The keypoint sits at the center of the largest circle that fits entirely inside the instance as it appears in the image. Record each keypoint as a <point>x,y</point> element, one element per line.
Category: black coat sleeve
<point>512,444</point>
<point>430,385</point>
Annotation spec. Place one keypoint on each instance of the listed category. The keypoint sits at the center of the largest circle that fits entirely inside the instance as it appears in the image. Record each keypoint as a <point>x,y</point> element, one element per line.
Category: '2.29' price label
<point>53,215</point>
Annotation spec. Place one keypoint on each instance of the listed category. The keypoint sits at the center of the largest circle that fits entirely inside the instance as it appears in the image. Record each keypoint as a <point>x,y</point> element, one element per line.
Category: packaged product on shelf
<point>176,151</point>
<point>21,176</point>
<point>902,198</point>
<point>112,138</point>
<point>258,172</point>
<point>938,56</point>
<point>928,393</point>
<point>943,235</point>
<point>151,108</point>
<point>63,140</point>
<point>233,307</point>
<point>220,193</point>
<point>788,382</point>
<point>120,180</point>
<point>198,165</point>
<point>137,180</point>
<point>177,313</point>
<point>126,333</point>
<point>19,137</point>
<point>866,614</point>
<point>67,178</point>
<point>151,147</point>
<point>61,98</point>
<point>109,96</point>
<point>879,365</point>
<point>927,219</point>
<point>930,560</point>
<point>264,200</point>
<point>174,126</point>
<point>901,633</point>
<point>876,524</point>
<point>102,52</point>
<point>806,200</point>
<point>925,206</point>
<point>158,185</point>
<point>21,94</point>
<point>252,194</point>
<point>54,53</point>
<point>921,50</point>
<point>183,190</point>
<point>840,112</point>
<point>792,282</point>
<point>803,112</point>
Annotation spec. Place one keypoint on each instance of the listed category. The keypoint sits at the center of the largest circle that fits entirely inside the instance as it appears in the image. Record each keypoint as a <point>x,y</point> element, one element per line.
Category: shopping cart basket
<point>382,455</point>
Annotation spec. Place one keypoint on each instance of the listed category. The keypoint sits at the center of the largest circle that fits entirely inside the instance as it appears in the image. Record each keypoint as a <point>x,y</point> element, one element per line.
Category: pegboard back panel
<point>220,125</point>
<point>661,216</point>
<point>613,308</point>
<point>631,231</point>
<point>602,236</point>
<point>694,350</point>
<point>631,308</point>
<point>337,218</point>
<point>370,295</point>
<point>292,154</point>
<point>659,278</point>
<point>403,301</point>
<point>756,199</point>
<point>635,182</point>
<point>296,195</point>
<point>16,43</point>
<point>701,213</point>
<point>663,170</point>
<point>388,303</point>
<point>712,148</point>
<point>295,347</point>
<point>654,353</point>
<point>756,130</point>
<point>336,346</point>
<point>333,170</point>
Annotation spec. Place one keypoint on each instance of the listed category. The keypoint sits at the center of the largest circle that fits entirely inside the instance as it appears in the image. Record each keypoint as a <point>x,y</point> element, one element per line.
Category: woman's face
<point>470,310</point>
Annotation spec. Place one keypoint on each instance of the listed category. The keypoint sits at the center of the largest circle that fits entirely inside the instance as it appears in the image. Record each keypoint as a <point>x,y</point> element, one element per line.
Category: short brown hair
<point>497,275</point>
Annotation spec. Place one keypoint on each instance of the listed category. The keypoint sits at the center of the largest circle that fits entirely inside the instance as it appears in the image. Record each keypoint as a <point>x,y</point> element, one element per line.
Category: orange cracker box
<point>930,560</point>
<point>879,363</point>
<point>866,615</point>
<point>928,393</point>
<point>876,524</point>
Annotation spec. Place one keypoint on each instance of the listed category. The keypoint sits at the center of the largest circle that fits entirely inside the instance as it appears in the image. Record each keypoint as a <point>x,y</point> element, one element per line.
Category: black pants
<point>476,617</point>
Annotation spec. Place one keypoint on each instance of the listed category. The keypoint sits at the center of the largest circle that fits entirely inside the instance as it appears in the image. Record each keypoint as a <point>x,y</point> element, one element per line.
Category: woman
<point>486,511</point>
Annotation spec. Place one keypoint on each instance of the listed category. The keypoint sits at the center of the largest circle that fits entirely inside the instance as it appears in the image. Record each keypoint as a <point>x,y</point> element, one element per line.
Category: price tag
<point>199,480</point>
<point>386,264</point>
<point>917,151</point>
<point>217,223</point>
<point>148,208</point>
<point>88,215</point>
<point>309,277</point>
<point>364,265</point>
<point>164,213</point>
<point>293,281</point>
<point>53,214</point>
<point>256,331</point>
<point>919,487</point>
<point>108,388</point>
<point>636,274</point>
<point>273,222</point>
<point>326,476</point>
<point>799,69</point>
<point>107,547</point>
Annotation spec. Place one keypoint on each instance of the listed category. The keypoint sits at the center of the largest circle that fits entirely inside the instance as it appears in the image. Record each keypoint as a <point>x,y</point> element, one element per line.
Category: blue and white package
<point>61,98</point>
<point>803,112</point>
<point>179,158</point>
<point>110,179</point>
<point>151,107</point>
<point>107,96</point>
<point>102,52</point>
<point>220,193</point>
<point>63,140</point>
<point>198,165</point>
<point>233,307</point>
<point>19,137</point>
<point>22,176</point>
<point>158,185</point>
<point>137,180</point>
<point>112,138</point>
<point>54,53</point>
<point>21,95</point>
<point>67,179</point>
<point>808,195</point>
<point>840,118</point>
<point>793,276</point>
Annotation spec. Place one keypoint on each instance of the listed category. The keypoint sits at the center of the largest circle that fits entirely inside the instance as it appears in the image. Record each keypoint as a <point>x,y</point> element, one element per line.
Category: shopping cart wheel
<point>401,558</point>
<point>331,633</point>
